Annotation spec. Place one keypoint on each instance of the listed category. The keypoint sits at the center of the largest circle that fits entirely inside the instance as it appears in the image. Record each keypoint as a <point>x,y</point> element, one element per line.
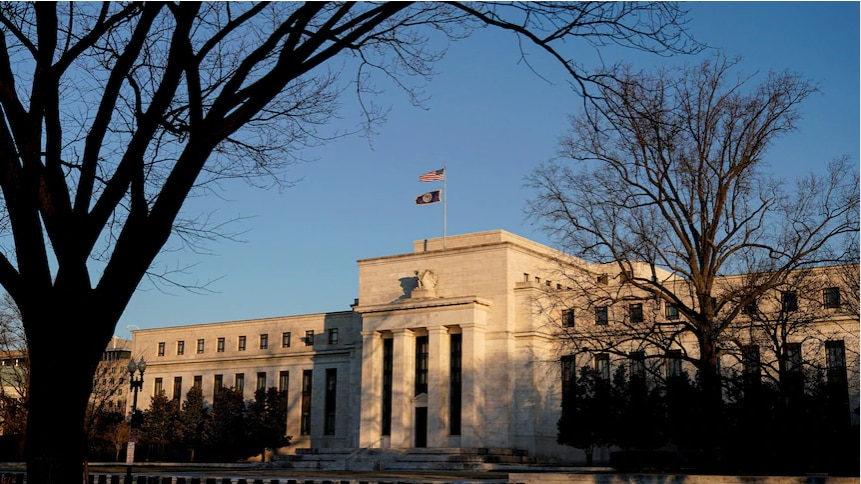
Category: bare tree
<point>662,186</point>
<point>114,114</point>
<point>14,372</point>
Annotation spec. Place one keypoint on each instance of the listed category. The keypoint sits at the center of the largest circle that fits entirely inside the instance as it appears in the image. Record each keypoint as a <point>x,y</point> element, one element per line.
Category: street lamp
<point>136,372</point>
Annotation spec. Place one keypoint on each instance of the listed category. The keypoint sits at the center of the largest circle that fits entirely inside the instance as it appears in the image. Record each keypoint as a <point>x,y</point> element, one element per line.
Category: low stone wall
<point>583,478</point>
<point>513,478</point>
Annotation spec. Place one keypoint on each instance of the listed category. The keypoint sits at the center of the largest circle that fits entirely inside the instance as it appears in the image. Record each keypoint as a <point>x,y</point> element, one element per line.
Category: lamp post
<point>136,372</point>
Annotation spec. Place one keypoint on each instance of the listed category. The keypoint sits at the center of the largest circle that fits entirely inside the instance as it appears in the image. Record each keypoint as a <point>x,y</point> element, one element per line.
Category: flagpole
<point>444,198</point>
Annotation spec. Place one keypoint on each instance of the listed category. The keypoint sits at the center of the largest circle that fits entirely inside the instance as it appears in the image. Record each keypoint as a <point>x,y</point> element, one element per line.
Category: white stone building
<point>445,347</point>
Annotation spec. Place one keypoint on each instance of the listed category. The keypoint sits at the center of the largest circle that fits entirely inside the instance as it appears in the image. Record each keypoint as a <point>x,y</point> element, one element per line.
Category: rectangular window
<point>750,361</point>
<point>305,420</point>
<point>455,375</point>
<point>638,364</point>
<point>200,343</point>
<point>220,348</point>
<point>789,301</point>
<point>750,309</point>
<point>602,366</point>
<point>180,347</point>
<point>831,297</point>
<point>309,337</point>
<point>217,385</point>
<point>198,381</point>
<point>672,311</point>
<point>333,336</point>
<point>422,354</point>
<point>388,365</point>
<point>264,341</point>
<point>674,363</point>
<point>330,400</point>
<point>261,380</point>
<point>161,349</point>
<point>241,345</point>
<point>177,388</point>
<point>158,386</point>
<point>285,340</point>
<point>793,377</point>
<point>283,381</point>
<point>239,383</point>
<point>601,315</point>
<point>569,380</point>
<point>835,360</point>
<point>636,312</point>
<point>792,354</point>
<point>568,318</point>
<point>604,279</point>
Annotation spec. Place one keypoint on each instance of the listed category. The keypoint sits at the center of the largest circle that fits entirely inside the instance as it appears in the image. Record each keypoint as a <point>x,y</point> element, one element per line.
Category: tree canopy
<point>663,184</point>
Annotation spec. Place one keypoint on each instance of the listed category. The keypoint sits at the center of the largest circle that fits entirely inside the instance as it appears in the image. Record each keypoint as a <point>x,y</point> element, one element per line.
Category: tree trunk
<point>711,405</point>
<point>62,368</point>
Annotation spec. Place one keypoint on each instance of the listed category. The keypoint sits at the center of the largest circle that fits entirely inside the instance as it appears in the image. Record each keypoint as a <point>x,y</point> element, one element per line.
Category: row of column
<point>404,400</point>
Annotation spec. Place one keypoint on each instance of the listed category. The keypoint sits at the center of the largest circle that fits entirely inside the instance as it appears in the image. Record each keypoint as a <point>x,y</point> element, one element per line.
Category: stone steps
<point>407,459</point>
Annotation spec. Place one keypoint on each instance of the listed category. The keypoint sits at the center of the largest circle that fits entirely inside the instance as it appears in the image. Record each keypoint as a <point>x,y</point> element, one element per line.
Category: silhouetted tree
<point>115,113</point>
<point>14,373</point>
<point>662,181</point>
<point>192,420</point>
<point>104,433</point>
<point>159,423</point>
<point>224,432</point>
<point>640,414</point>
<point>587,414</point>
<point>266,420</point>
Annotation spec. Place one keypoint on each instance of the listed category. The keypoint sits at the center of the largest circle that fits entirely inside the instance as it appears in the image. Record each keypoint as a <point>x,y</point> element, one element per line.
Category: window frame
<point>568,319</point>
<point>602,366</point>
<point>637,364</point>
<point>602,315</point>
<point>671,312</point>
<point>177,388</point>
<point>835,355</point>
<point>261,380</point>
<point>239,383</point>
<point>788,301</point>
<point>635,313</point>
<point>792,352</point>
<point>674,363</point>
<point>831,297</point>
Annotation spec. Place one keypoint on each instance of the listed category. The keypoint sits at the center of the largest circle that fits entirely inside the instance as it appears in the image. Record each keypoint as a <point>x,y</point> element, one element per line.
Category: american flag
<point>436,175</point>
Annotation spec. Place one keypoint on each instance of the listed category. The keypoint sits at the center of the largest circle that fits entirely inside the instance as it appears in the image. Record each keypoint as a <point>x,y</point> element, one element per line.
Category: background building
<point>464,342</point>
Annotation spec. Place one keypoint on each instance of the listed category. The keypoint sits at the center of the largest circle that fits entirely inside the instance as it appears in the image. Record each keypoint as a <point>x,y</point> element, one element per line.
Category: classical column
<point>372,389</point>
<point>472,424</point>
<point>438,386</point>
<point>403,387</point>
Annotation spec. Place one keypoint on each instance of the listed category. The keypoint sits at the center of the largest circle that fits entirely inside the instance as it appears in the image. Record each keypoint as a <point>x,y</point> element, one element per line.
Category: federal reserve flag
<point>429,197</point>
<point>436,175</point>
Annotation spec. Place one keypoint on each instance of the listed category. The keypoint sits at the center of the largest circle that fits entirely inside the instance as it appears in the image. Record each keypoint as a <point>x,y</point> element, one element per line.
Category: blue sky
<point>489,120</point>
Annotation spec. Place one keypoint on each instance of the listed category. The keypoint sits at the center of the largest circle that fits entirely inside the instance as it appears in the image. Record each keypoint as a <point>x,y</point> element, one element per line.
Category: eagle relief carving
<point>426,284</point>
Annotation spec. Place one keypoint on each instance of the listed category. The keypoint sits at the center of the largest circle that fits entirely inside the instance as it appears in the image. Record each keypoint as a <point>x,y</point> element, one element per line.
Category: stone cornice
<point>423,303</point>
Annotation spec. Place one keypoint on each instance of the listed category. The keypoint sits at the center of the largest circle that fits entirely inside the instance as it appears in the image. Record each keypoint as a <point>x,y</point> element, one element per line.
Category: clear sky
<point>489,120</point>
